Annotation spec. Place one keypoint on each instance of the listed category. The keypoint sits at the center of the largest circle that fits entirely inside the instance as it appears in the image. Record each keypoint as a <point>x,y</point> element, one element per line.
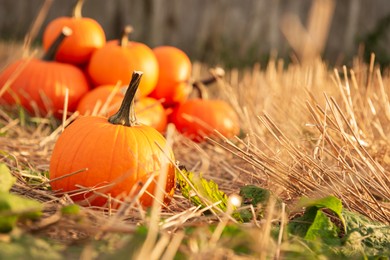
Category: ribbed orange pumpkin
<point>117,59</point>
<point>106,102</point>
<point>101,100</point>
<point>88,35</point>
<point>198,118</point>
<point>119,156</point>
<point>41,85</point>
<point>151,112</point>
<point>175,72</point>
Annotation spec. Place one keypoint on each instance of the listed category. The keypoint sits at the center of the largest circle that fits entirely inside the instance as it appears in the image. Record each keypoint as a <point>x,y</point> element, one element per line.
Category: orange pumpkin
<point>175,72</point>
<point>119,156</point>
<point>103,100</point>
<point>40,85</point>
<point>117,59</point>
<point>151,112</point>
<point>106,100</point>
<point>199,118</point>
<point>87,36</point>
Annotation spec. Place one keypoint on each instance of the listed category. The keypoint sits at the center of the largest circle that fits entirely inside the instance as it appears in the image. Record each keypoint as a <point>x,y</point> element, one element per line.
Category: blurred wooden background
<point>231,32</point>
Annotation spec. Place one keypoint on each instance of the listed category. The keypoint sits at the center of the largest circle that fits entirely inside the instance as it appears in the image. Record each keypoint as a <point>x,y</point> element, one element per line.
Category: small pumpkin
<point>106,100</point>
<point>151,112</point>
<point>118,153</point>
<point>198,118</point>
<point>103,100</point>
<point>88,35</point>
<point>118,58</point>
<point>174,75</point>
<point>39,85</point>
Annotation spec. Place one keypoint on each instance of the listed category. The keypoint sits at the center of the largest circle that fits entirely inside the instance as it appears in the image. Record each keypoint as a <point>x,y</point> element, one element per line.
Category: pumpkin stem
<point>201,90</point>
<point>125,35</point>
<point>200,86</point>
<point>77,9</point>
<point>52,51</point>
<point>126,113</point>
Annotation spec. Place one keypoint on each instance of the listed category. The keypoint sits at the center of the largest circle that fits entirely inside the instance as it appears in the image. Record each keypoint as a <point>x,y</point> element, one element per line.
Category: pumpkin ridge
<point>40,83</point>
<point>76,149</point>
<point>74,144</point>
<point>216,118</point>
<point>22,88</point>
<point>66,82</point>
<point>44,92</point>
<point>117,131</point>
<point>43,81</point>
<point>150,145</point>
<point>71,99</point>
<point>153,146</point>
<point>59,90</point>
<point>149,171</point>
<point>99,132</point>
<point>134,151</point>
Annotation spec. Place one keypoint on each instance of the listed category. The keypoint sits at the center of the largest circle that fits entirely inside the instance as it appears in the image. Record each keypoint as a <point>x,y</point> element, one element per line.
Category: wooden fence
<point>228,31</point>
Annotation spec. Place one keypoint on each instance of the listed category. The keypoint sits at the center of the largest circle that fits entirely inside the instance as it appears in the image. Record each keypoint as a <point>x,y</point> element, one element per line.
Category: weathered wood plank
<point>208,30</point>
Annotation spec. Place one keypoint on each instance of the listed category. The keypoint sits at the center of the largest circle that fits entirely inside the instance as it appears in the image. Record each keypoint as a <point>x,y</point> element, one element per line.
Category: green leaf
<point>300,226</point>
<point>323,228</point>
<point>14,207</point>
<point>6,178</point>
<point>72,209</point>
<point>186,189</point>
<point>372,236</point>
<point>314,224</point>
<point>330,202</point>
<point>207,189</point>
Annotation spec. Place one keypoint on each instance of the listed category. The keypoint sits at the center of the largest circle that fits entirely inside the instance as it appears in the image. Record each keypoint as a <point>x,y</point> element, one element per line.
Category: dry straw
<point>311,132</point>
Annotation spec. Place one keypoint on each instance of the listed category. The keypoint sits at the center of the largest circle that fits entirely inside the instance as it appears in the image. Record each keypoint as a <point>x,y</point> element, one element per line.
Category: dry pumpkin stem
<point>51,52</point>
<point>217,73</point>
<point>200,89</point>
<point>126,114</point>
<point>124,41</point>
<point>76,13</point>
<point>199,86</point>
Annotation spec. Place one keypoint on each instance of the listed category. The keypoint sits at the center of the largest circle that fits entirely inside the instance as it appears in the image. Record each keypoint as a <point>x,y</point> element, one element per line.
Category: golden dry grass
<point>307,130</point>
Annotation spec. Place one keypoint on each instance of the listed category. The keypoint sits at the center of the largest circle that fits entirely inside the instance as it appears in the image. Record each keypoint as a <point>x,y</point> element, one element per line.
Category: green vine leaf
<point>371,237</point>
<point>202,192</point>
<point>14,207</point>
<point>315,224</point>
<point>6,178</point>
<point>330,202</point>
